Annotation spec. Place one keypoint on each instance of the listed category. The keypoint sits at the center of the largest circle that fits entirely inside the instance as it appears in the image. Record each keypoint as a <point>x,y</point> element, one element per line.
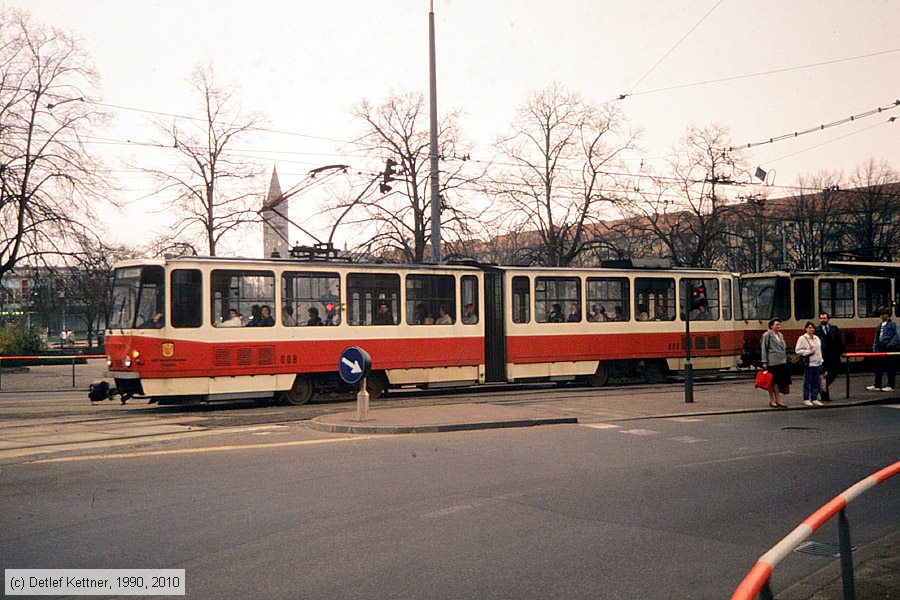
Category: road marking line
<point>230,448</point>
<point>734,459</point>
<point>641,432</point>
<point>600,425</point>
<point>687,439</point>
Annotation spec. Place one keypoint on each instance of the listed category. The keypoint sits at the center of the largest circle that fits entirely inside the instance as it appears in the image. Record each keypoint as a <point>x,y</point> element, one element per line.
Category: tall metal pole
<point>435,179</point>
<point>688,366</point>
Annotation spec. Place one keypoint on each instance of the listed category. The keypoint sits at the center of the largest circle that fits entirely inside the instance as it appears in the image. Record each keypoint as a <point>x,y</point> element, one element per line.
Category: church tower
<point>275,221</point>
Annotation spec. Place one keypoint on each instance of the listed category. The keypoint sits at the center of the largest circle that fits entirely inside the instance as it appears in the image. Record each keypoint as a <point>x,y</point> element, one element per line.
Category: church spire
<point>275,196</point>
<point>275,220</point>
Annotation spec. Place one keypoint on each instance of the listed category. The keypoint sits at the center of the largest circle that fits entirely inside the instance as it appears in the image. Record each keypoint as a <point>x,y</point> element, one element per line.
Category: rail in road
<point>756,583</point>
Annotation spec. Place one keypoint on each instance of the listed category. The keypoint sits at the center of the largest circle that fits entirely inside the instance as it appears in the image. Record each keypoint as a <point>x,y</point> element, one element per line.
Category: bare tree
<point>873,209</point>
<point>397,215</point>
<point>89,285</point>
<point>564,160</point>
<point>48,178</point>
<point>750,239</point>
<point>684,211</point>
<point>812,222</point>
<point>216,196</point>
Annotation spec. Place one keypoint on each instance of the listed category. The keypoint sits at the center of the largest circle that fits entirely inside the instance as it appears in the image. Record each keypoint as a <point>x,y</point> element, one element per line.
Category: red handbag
<point>764,380</point>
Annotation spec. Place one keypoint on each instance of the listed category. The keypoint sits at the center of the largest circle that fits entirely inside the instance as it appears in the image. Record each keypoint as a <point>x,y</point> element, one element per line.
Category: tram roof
<point>877,269</point>
<point>462,265</point>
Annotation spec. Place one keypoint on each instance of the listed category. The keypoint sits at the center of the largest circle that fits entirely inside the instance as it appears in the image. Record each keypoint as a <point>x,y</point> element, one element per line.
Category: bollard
<point>362,401</point>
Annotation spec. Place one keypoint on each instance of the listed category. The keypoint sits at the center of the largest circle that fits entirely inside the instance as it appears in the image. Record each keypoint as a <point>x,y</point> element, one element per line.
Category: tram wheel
<point>654,371</point>
<point>600,376</point>
<point>375,386</point>
<point>301,392</point>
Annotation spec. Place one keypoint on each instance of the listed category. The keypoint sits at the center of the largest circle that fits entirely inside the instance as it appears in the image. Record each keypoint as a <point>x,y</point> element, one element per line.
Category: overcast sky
<point>305,62</point>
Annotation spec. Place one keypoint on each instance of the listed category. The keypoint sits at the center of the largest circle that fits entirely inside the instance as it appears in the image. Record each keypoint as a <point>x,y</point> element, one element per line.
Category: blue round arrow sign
<point>354,364</point>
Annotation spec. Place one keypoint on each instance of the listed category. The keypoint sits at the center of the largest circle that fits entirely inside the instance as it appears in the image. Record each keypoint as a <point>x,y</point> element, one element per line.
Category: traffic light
<point>390,168</point>
<point>698,296</point>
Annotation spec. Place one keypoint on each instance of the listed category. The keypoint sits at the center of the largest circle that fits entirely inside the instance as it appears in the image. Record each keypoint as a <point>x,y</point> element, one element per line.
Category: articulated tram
<point>193,329</point>
<point>852,302</point>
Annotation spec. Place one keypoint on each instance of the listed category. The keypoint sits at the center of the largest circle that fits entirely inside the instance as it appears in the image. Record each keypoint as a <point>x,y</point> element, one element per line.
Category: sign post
<point>353,367</point>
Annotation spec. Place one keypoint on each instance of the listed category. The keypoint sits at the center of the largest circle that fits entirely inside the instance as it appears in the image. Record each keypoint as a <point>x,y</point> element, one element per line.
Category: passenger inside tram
<point>314,318</point>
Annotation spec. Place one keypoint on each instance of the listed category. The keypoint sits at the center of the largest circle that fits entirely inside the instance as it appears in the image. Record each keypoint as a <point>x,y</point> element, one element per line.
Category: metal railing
<point>864,355</point>
<point>55,358</point>
<point>756,583</point>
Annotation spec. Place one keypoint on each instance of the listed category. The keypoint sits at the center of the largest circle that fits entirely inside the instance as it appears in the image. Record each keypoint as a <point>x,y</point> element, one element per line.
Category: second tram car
<point>200,329</point>
<point>851,301</point>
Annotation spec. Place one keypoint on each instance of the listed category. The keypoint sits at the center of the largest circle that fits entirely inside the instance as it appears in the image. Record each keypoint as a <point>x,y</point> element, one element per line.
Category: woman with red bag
<point>773,357</point>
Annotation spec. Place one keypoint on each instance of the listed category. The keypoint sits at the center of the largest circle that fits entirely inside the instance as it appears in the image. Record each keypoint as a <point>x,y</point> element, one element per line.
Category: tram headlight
<point>108,360</point>
<point>132,358</point>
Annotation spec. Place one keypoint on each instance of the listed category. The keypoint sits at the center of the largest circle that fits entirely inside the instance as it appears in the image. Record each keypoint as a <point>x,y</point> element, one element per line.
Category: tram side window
<point>603,296</point>
<point>310,299</point>
<point>836,297</point>
<point>430,299</point>
<point>872,295</point>
<point>654,299</point>
<point>804,303</point>
<point>187,294</point>
<point>557,299</point>
<point>521,299</point>
<point>709,307</point>
<point>469,297</point>
<point>373,299</point>
<point>250,294</point>
<point>726,299</point>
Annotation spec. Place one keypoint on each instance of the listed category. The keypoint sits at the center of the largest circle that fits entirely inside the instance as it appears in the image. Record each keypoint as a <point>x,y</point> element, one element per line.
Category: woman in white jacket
<point>809,349</point>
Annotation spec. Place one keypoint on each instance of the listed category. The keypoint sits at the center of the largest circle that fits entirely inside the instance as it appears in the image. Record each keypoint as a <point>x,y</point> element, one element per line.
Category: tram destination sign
<point>354,364</point>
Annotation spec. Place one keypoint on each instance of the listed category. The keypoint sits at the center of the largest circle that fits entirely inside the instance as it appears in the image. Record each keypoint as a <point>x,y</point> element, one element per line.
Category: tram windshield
<point>763,298</point>
<point>138,298</point>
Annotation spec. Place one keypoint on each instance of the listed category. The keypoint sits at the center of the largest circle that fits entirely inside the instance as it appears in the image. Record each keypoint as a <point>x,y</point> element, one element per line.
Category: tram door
<point>494,328</point>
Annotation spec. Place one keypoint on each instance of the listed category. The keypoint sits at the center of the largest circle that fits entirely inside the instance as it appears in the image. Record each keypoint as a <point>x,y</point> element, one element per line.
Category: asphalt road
<point>660,508</point>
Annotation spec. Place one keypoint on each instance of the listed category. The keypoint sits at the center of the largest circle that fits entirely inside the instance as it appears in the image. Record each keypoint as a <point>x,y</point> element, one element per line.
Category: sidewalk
<point>617,404</point>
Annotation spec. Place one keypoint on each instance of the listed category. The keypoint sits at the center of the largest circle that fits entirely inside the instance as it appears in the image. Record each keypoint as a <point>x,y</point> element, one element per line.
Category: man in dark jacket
<point>832,348</point>
<point>887,339</point>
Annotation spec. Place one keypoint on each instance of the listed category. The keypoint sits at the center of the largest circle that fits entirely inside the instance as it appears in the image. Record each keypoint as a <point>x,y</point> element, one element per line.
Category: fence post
<point>1,372</point>
<point>847,371</point>
<point>846,556</point>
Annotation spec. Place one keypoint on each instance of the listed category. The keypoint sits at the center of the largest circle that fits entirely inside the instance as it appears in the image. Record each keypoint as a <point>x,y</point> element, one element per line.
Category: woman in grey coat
<point>773,356</point>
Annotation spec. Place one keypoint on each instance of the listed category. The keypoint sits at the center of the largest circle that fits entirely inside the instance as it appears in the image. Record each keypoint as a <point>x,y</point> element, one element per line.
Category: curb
<point>362,428</point>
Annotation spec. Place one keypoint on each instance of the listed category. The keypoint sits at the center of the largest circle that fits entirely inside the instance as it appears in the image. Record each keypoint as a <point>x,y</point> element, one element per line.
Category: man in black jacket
<point>832,348</point>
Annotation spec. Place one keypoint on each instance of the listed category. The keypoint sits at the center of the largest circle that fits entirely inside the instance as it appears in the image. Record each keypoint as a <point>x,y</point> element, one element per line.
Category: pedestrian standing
<point>773,357</point>
<point>809,349</point>
<point>832,349</point>
<point>887,339</point>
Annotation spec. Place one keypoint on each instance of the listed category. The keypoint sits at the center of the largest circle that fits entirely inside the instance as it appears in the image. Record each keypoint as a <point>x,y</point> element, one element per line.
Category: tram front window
<point>138,298</point>
<point>764,298</point>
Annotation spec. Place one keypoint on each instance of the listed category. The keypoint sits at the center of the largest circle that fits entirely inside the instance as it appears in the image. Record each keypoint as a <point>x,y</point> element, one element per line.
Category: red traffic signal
<point>698,296</point>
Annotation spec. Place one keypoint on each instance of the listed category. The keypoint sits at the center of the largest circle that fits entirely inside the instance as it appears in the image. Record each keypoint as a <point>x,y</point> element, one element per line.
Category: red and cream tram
<point>851,301</point>
<point>201,329</point>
